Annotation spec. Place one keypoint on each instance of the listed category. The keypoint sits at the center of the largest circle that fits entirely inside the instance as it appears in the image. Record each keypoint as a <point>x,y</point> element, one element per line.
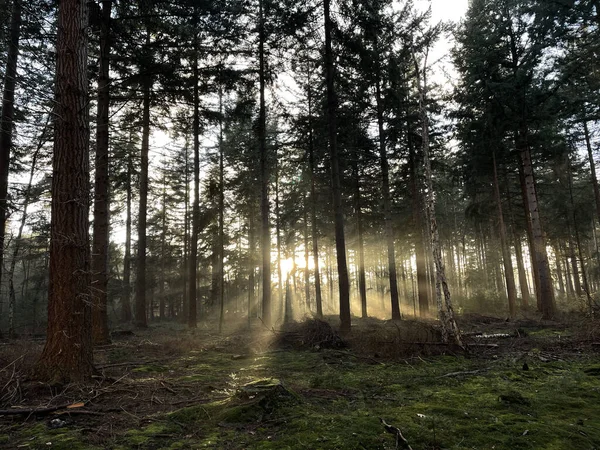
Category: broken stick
<point>401,441</point>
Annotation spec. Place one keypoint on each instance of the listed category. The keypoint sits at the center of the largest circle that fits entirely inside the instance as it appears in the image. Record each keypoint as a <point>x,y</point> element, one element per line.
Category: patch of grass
<point>150,368</point>
<point>39,436</point>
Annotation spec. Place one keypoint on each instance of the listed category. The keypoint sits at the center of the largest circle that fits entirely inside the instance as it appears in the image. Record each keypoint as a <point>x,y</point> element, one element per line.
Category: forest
<point>328,224</point>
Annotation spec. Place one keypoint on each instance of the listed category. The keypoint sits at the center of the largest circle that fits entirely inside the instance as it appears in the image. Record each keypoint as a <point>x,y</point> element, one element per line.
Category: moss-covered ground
<point>193,392</point>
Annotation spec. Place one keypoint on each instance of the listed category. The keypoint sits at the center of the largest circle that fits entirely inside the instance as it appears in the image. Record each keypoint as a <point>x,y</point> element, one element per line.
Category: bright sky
<point>453,10</point>
<point>447,11</point>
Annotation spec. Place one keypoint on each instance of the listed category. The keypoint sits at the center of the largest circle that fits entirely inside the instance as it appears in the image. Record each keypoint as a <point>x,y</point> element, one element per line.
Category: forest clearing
<point>522,385</point>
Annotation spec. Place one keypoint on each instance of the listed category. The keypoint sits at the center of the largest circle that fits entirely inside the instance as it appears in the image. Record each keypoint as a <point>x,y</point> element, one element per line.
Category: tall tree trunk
<point>67,356</point>
<point>280,285</point>
<point>340,240</point>
<point>534,268</point>
<point>193,260</point>
<point>185,272</point>
<point>574,267</point>
<point>547,305</point>
<point>362,284</point>
<point>387,209</point>
<point>588,144</point>
<point>6,121</point>
<point>306,250</point>
<point>140,281</point>
<point>221,216</point>
<point>523,284</point>
<point>100,244</point>
<point>446,310</point>
<point>417,213</point>
<point>252,265</point>
<point>126,302</point>
<point>313,209</point>
<point>508,267</point>
<point>265,240</point>
<point>586,286</point>
<point>559,272</point>
<point>163,253</point>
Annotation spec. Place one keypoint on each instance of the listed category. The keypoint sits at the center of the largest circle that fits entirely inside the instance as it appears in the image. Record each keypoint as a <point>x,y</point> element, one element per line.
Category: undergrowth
<point>204,397</point>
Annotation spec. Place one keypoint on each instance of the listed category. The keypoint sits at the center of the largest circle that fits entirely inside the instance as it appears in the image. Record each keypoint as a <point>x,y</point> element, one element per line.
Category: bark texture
<point>67,355</point>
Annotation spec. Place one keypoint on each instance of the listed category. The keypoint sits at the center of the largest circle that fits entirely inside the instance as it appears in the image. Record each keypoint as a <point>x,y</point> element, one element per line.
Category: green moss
<point>38,436</point>
<point>150,368</point>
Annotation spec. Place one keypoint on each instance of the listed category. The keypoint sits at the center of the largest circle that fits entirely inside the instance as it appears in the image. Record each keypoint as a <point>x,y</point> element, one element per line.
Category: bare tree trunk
<point>306,253</point>
<point>588,144</point>
<point>524,286</point>
<point>508,267</point>
<point>221,216</point>
<point>6,122</point>
<point>362,285</point>
<point>445,311</point>
<point>586,286</point>
<point>387,209</point>
<point>559,272</point>
<point>547,305</point>
<point>280,286</point>
<point>126,302</point>
<point>313,210</point>
<point>340,240</point>
<point>265,240</point>
<point>68,355</point>
<point>417,213</point>
<point>185,272</point>
<point>100,244</point>
<point>193,260</point>
<point>252,266</point>
<point>163,252</point>
<point>140,281</point>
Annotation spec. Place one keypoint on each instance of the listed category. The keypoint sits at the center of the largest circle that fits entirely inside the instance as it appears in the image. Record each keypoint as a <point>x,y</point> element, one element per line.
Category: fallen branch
<point>366,358</point>
<point>139,363</point>
<point>35,411</point>
<point>457,374</point>
<point>401,441</point>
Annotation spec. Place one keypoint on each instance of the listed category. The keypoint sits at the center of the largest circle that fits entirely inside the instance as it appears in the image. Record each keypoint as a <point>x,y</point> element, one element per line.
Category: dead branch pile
<point>310,334</point>
<point>387,339</point>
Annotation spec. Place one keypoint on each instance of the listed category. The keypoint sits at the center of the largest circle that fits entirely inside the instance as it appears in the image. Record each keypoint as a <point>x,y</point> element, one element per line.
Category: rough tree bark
<point>67,355</point>
<point>546,296</point>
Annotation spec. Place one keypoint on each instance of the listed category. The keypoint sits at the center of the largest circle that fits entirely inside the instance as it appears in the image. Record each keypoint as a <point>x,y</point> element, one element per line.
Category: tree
<point>6,119</point>
<point>101,238</point>
<point>340,240</point>
<point>67,355</point>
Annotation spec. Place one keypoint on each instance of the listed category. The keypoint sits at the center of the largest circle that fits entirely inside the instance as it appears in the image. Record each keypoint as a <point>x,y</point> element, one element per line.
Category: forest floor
<point>522,385</point>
